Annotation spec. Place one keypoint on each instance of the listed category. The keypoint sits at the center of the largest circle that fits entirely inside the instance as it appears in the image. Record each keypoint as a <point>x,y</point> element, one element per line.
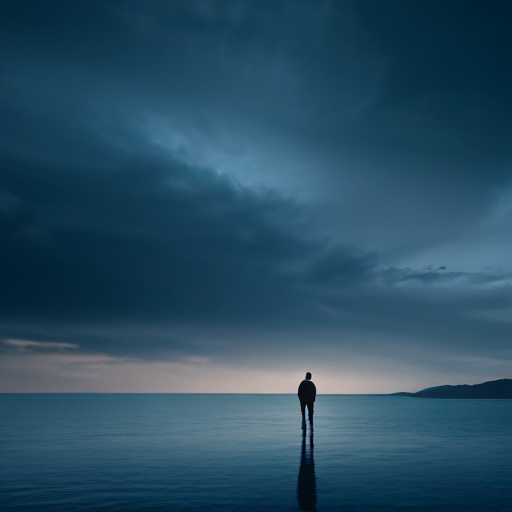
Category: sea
<point>247,452</point>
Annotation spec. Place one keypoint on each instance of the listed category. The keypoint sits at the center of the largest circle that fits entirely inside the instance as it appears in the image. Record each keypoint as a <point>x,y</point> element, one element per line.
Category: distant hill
<point>501,388</point>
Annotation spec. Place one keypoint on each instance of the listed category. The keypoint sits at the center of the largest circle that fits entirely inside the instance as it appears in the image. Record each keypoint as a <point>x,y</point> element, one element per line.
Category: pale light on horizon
<point>77,372</point>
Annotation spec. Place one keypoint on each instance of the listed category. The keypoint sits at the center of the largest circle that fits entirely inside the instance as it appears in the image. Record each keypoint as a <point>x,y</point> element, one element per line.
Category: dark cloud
<point>158,237</point>
<point>340,266</point>
<point>156,242</point>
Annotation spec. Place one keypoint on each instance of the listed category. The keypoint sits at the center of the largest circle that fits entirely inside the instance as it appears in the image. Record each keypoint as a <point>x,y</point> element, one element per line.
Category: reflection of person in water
<point>307,395</point>
<point>306,484</point>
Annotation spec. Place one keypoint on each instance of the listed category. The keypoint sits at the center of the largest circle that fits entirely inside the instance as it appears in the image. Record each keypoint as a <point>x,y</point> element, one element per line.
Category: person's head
<point>308,376</point>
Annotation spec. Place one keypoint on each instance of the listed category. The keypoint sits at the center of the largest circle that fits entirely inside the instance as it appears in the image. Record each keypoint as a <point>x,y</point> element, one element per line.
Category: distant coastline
<point>495,389</point>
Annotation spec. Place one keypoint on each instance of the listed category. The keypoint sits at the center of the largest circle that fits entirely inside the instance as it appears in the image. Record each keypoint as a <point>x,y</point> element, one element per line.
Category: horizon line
<point>169,393</point>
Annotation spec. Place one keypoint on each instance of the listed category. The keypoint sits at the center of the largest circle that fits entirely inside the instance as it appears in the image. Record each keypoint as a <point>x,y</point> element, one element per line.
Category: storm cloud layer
<point>255,187</point>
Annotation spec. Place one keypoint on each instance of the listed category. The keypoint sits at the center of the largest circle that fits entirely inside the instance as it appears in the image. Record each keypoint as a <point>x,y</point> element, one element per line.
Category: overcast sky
<point>218,196</point>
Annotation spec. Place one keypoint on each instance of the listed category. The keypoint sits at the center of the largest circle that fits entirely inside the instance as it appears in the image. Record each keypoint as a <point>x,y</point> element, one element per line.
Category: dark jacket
<point>307,391</point>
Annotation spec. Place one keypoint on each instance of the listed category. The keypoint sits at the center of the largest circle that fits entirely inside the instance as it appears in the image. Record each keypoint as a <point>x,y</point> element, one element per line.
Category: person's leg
<point>303,411</point>
<point>310,414</point>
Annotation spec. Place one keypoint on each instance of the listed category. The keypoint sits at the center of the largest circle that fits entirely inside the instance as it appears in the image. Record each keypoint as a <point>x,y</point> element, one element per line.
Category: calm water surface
<point>247,453</point>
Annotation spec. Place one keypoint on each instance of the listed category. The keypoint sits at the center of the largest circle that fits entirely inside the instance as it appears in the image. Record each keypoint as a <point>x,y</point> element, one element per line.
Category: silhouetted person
<point>306,483</point>
<point>307,395</point>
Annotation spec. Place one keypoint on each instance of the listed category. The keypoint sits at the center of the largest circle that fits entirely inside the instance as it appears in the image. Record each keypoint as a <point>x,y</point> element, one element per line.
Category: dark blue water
<point>247,453</point>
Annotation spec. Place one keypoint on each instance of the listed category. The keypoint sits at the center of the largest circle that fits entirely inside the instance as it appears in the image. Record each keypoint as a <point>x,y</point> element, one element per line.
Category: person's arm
<point>314,392</point>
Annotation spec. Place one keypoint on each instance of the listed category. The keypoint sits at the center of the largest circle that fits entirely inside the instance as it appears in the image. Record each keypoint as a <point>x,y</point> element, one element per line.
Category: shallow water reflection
<point>306,481</point>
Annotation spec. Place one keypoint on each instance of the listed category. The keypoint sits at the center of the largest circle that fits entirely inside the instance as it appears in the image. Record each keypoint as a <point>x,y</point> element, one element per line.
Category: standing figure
<point>307,395</point>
